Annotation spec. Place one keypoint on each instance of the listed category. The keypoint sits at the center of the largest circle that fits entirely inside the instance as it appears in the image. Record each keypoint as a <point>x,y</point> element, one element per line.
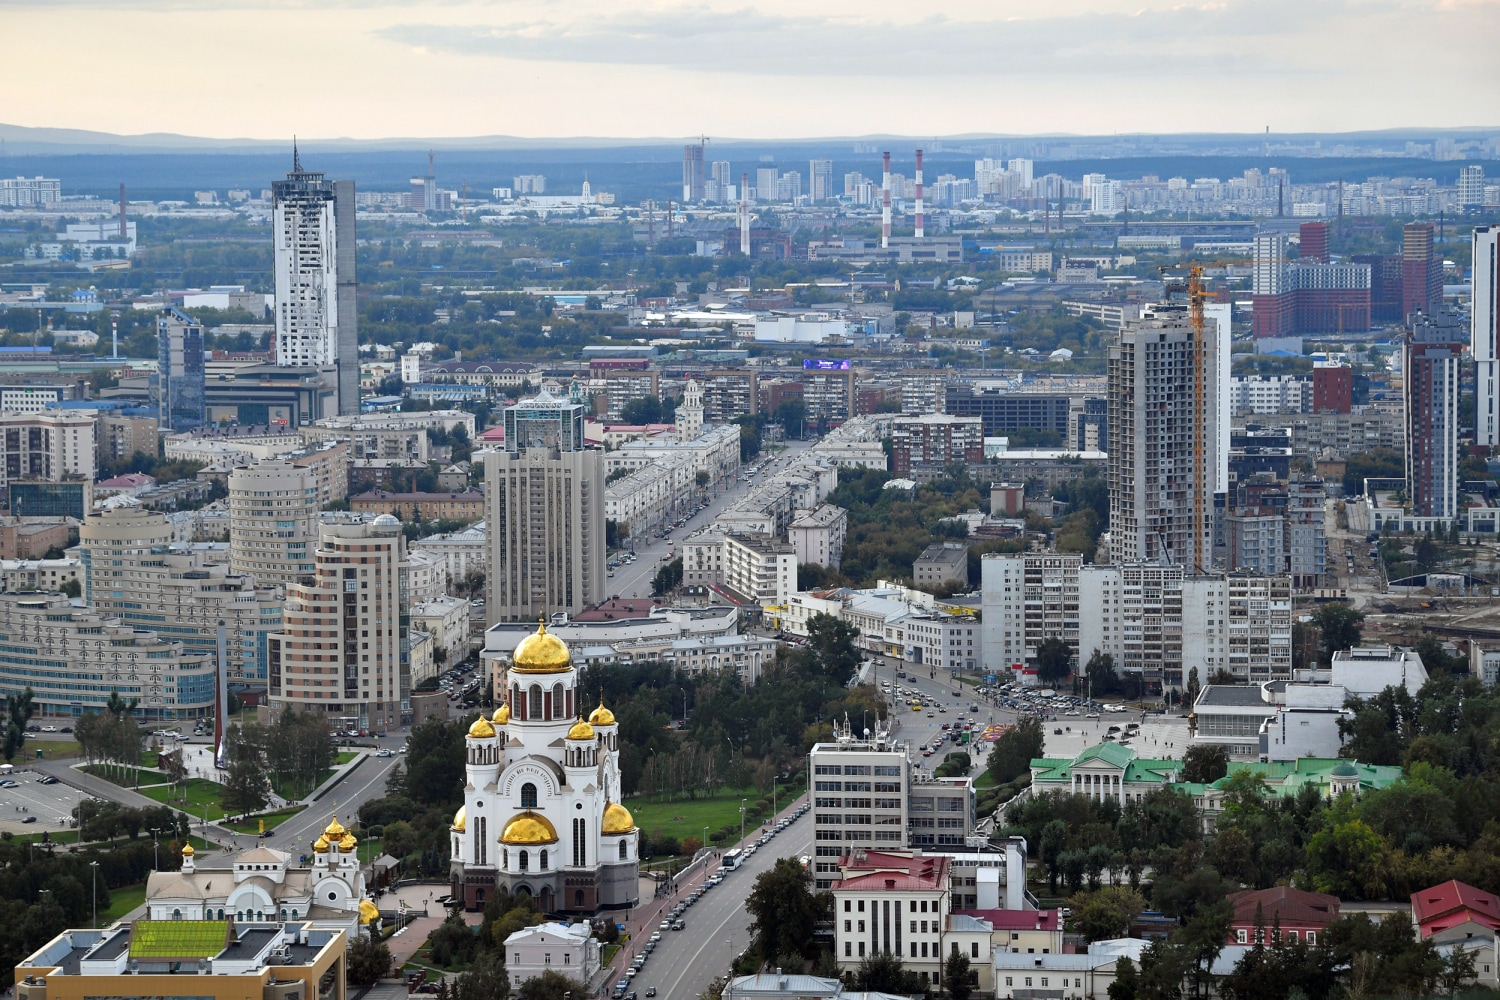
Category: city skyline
<point>677,68</point>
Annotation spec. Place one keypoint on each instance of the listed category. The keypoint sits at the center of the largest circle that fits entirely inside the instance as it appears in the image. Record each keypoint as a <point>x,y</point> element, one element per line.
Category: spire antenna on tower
<point>296,160</point>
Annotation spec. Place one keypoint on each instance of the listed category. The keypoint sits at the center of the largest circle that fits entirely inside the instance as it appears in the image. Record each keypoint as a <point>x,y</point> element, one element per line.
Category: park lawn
<point>53,836</point>
<point>122,901</point>
<point>985,780</point>
<point>687,817</point>
<point>51,750</point>
<point>125,777</point>
<point>272,820</point>
<point>344,757</point>
<point>201,793</point>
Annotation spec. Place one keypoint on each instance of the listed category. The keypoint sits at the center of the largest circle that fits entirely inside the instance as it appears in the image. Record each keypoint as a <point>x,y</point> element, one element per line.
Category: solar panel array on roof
<point>178,939</point>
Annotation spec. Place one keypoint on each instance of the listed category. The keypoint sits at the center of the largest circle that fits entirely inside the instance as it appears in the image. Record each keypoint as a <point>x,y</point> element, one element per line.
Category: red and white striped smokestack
<point>885,210</point>
<point>919,195</point>
<point>745,214</point>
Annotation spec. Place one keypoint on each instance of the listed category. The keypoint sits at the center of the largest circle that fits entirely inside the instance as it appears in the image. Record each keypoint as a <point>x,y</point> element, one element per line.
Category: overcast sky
<point>746,68</point>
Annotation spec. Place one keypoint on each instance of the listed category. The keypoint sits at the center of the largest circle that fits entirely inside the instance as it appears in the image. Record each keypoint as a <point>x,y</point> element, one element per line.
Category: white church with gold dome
<point>542,813</point>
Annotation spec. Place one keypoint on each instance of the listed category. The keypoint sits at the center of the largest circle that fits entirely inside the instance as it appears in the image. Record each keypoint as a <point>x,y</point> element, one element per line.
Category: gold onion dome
<point>368,912</point>
<point>481,729</point>
<point>528,828</point>
<point>187,850</point>
<point>348,843</point>
<point>617,819</point>
<point>502,714</point>
<point>334,830</point>
<point>541,653</point>
<point>581,731</point>
<point>321,845</point>
<point>461,819</point>
<point>601,716</point>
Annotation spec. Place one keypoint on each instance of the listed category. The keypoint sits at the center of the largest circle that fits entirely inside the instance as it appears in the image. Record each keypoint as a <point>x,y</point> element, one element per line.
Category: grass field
<point>984,780</point>
<point>200,793</point>
<point>125,777</point>
<point>688,817</point>
<point>344,757</point>
<point>54,836</point>
<point>51,750</point>
<point>122,901</point>
<point>273,820</point>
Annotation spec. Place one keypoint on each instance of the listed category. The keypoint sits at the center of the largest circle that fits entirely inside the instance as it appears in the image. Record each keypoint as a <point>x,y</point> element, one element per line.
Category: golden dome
<point>541,653</point>
<point>461,819</point>
<point>502,714</point>
<point>187,850</point>
<point>334,830</point>
<point>368,912</point>
<point>348,843</point>
<point>617,819</point>
<point>481,729</point>
<point>601,716</point>
<point>581,731</point>
<point>321,845</point>
<point>528,828</point>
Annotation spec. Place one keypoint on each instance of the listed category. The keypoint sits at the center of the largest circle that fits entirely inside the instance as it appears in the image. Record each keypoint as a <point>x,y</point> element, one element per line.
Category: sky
<point>746,68</point>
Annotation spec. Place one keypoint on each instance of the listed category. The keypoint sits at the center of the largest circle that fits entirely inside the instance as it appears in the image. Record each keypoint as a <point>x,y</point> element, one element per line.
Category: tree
<point>366,961</point>
<point>551,986</point>
<point>832,641</point>
<point>18,712</point>
<point>1126,983</point>
<point>667,578</point>
<point>172,765</point>
<point>957,978</point>
<point>246,785</point>
<point>784,910</point>
<point>1205,763</point>
<point>1338,629</point>
<point>1053,660</point>
<point>1101,674</point>
<point>1012,754</point>
<point>1101,914</point>
<point>883,973</point>
<point>486,978</point>
<point>71,588</point>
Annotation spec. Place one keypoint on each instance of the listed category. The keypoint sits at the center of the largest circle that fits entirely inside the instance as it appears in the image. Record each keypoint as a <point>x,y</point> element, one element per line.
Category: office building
<point>72,497</point>
<point>72,658</point>
<point>1484,334</point>
<point>875,769</point>
<point>1002,409</point>
<point>1421,270</point>
<point>820,180</point>
<point>924,447</point>
<point>316,307</point>
<point>179,384</point>
<point>536,769</point>
<point>1433,366</point>
<point>692,173</point>
<point>356,593</point>
<point>545,513</point>
<point>273,522</point>
<point>1164,406</point>
<point>130,573</point>
<point>889,893</point>
<point>202,959</point>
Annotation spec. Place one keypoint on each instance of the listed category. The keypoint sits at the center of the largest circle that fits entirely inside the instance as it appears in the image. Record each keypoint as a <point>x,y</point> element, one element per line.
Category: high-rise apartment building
<point>52,446</point>
<point>820,180</point>
<point>923,447</point>
<point>1471,186</point>
<point>1313,242</point>
<point>545,513</point>
<point>130,574</point>
<point>1484,334</point>
<point>1163,440</point>
<point>765,183</point>
<point>1333,387</point>
<point>343,651</point>
<point>692,173</point>
<point>179,382</point>
<point>1433,362</point>
<point>273,522</point>
<point>312,223</point>
<point>1421,270</point>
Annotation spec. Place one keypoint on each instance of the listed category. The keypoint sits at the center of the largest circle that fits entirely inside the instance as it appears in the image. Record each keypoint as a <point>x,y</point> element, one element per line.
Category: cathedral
<point>537,767</point>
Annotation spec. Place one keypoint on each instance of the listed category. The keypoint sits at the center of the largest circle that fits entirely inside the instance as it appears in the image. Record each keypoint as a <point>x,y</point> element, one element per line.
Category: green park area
<point>683,818</point>
<point>272,821</point>
<point>193,796</point>
<point>122,901</point>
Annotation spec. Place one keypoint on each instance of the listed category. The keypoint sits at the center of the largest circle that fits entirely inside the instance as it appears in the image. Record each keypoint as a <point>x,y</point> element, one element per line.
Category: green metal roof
<point>178,939</point>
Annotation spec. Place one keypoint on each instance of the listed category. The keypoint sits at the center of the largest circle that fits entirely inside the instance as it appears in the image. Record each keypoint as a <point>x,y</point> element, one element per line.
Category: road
<point>634,579</point>
<point>917,729</point>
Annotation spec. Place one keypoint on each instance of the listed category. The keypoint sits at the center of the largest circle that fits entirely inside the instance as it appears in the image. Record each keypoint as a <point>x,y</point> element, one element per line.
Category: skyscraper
<point>343,651</point>
<point>1163,405</point>
<point>1421,270</point>
<point>1314,241</point>
<point>179,379</point>
<point>545,513</point>
<point>316,310</point>
<point>820,180</point>
<point>1434,356</point>
<point>765,183</point>
<point>692,173</point>
<point>1471,186</point>
<point>273,522</point>
<point>1484,339</point>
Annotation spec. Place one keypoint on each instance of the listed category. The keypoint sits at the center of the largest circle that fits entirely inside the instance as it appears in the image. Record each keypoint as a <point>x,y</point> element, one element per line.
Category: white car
<point>49,729</point>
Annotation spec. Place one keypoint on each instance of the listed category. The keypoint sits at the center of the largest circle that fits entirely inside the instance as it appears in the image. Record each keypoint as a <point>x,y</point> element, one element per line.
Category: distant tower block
<point>918,232</point>
<point>745,214</point>
<point>885,208</point>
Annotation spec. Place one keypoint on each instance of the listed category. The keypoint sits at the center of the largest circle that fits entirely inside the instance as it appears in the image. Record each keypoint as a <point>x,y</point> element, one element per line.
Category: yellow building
<point>188,958</point>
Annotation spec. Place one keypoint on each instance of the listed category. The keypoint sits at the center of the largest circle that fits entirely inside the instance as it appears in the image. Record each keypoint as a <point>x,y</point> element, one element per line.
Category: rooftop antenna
<point>296,160</point>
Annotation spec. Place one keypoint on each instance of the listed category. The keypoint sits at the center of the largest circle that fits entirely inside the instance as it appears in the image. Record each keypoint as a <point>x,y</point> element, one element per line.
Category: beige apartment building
<point>273,521</point>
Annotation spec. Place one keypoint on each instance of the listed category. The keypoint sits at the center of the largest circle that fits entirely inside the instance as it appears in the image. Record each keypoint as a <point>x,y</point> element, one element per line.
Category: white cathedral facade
<point>542,813</point>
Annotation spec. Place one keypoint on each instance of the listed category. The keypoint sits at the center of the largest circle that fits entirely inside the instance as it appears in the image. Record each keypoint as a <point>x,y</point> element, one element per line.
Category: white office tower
<point>875,768</point>
<point>343,651</point>
<point>1269,264</point>
<point>544,497</point>
<point>312,222</point>
<point>1484,340</point>
<point>1163,402</point>
<point>273,522</point>
<point>1471,186</point>
<point>690,411</point>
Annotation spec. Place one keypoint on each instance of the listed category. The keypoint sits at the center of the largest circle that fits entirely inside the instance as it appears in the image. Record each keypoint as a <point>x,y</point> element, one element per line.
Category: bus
<point>732,859</point>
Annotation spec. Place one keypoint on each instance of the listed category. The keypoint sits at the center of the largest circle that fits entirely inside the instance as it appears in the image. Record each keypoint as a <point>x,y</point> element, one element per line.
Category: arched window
<point>221,913</point>
<point>283,909</point>
<point>505,857</point>
<point>578,898</point>
<point>528,796</point>
<point>525,861</point>
<point>176,914</point>
<point>622,850</point>
<point>294,913</point>
<point>559,706</point>
<point>535,698</point>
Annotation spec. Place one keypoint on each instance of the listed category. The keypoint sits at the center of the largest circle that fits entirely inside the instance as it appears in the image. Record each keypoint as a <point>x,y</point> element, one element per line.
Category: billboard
<point>825,365</point>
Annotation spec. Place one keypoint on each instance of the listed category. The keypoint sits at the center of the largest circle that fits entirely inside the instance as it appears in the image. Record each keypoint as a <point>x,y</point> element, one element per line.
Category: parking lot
<point>50,807</point>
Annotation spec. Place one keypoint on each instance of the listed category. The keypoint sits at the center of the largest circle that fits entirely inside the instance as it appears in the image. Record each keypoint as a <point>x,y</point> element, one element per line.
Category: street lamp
<point>742,821</point>
<point>705,838</point>
<point>95,865</point>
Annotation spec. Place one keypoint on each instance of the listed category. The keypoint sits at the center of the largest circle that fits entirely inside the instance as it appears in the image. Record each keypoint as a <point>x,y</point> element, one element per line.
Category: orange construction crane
<point>1196,297</point>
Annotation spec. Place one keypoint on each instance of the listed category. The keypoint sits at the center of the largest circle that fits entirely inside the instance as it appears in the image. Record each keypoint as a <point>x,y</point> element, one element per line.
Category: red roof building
<point>1301,915</point>
<point>893,904</point>
<point>1451,904</point>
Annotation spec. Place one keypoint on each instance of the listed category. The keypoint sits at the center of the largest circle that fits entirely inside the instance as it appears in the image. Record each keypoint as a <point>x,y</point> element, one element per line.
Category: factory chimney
<point>745,214</point>
<point>885,209</point>
<point>122,211</point>
<point>919,195</point>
